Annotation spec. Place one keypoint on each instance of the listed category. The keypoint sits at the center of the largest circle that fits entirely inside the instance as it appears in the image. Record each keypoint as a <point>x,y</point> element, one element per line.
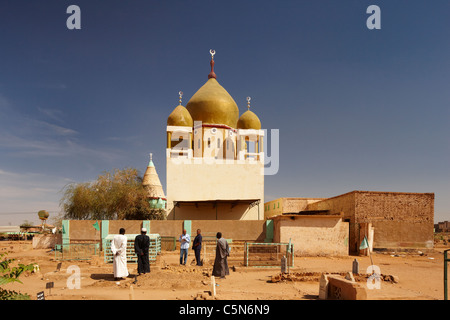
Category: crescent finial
<point>212,74</point>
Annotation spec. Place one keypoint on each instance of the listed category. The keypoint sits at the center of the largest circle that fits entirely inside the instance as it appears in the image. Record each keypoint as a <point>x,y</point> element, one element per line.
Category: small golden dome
<point>181,117</point>
<point>249,120</point>
<point>212,104</point>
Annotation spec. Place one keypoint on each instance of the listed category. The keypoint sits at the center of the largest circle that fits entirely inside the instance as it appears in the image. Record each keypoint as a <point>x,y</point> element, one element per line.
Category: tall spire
<point>212,74</point>
<point>152,184</point>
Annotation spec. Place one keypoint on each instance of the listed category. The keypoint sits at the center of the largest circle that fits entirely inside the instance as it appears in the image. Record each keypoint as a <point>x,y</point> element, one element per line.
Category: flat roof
<point>355,191</point>
<point>296,198</point>
<point>381,192</point>
<point>218,201</point>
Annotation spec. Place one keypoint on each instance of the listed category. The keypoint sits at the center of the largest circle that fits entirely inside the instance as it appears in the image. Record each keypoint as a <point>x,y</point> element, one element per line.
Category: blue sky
<point>357,109</point>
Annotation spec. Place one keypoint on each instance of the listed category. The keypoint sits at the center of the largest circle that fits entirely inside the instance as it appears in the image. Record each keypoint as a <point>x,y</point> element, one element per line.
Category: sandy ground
<point>420,277</point>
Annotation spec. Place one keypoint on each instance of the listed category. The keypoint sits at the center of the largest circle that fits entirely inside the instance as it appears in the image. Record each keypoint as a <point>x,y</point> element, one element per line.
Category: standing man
<point>185,239</point>
<point>220,268</point>
<point>141,247</point>
<point>119,251</point>
<point>197,247</point>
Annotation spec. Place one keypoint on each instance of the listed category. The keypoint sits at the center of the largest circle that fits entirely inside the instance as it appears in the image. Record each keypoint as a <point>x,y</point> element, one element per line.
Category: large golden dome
<point>212,104</point>
<point>249,120</point>
<point>180,117</point>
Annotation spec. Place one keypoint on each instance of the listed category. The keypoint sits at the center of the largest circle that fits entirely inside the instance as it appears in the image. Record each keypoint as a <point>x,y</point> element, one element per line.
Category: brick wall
<point>400,219</point>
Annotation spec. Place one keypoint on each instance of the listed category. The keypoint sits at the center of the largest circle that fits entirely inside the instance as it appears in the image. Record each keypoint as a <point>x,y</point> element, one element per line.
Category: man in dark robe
<point>197,247</point>
<point>222,252</point>
<point>141,247</point>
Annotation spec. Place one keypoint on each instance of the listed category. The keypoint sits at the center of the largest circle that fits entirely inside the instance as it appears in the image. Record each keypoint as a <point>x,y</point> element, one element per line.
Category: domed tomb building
<point>215,159</point>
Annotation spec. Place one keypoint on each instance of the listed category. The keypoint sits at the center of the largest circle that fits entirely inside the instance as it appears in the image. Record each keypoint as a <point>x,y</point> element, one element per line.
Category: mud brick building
<point>399,220</point>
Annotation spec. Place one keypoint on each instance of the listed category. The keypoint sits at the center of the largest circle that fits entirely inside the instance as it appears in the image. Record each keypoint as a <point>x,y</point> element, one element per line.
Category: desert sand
<point>419,276</point>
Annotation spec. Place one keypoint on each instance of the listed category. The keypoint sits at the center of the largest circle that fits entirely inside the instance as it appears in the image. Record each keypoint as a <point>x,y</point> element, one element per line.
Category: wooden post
<point>213,284</point>
<point>131,293</point>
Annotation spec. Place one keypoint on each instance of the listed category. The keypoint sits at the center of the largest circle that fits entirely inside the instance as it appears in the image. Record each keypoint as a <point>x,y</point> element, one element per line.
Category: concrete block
<point>44,241</point>
<point>349,276</point>
<point>343,289</point>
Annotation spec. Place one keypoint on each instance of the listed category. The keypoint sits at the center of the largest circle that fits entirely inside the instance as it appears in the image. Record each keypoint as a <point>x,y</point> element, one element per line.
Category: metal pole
<point>292,254</point>
<point>445,275</point>
<point>246,255</point>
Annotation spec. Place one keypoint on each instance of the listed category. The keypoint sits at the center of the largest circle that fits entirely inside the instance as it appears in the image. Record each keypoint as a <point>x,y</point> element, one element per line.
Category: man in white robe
<point>119,251</point>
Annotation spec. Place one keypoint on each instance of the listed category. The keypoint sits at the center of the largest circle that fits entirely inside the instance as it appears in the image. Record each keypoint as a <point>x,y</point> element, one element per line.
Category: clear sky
<point>356,109</point>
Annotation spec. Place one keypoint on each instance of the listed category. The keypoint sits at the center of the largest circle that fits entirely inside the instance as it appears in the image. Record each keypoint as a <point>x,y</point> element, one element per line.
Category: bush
<point>114,195</point>
<point>9,275</point>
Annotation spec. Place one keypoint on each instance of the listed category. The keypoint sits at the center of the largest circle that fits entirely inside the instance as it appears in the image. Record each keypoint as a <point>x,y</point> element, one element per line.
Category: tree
<point>114,195</point>
<point>26,223</point>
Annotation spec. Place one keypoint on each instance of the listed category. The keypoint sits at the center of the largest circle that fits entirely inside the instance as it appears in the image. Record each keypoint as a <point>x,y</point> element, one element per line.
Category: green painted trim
<point>187,225</point>
<point>146,225</point>
<point>65,232</point>
<point>269,231</point>
<point>104,232</point>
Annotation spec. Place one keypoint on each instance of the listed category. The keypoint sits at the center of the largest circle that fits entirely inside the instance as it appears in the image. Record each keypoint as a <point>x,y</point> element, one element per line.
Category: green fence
<point>154,250</point>
<point>266,255</point>
<point>168,243</point>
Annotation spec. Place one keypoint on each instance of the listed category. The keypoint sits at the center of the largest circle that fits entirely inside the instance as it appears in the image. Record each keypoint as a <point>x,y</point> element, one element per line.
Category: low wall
<point>167,228</point>
<point>45,241</point>
<point>240,230</point>
<point>313,235</point>
<point>84,231</point>
<point>401,234</point>
<point>130,226</point>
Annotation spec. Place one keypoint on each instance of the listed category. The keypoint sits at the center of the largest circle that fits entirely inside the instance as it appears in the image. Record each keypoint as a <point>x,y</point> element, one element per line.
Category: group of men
<point>119,251</point>
<point>142,245</point>
<point>220,268</point>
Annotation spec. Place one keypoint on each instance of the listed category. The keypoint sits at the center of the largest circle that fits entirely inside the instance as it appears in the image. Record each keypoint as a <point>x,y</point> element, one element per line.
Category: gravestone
<point>355,268</point>
<point>283,264</point>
